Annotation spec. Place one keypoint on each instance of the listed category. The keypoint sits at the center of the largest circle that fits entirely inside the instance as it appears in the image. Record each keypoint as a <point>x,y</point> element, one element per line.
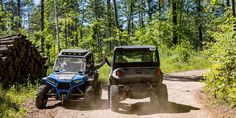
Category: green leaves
<point>221,79</point>
<point>13,99</point>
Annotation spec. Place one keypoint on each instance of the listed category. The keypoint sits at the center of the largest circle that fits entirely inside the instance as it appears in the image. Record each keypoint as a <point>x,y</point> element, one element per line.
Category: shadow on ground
<point>139,108</point>
<point>79,105</point>
<point>147,108</point>
<point>183,78</point>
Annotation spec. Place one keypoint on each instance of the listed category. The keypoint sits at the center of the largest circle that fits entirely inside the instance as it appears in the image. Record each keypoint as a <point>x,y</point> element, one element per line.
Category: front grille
<point>63,85</point>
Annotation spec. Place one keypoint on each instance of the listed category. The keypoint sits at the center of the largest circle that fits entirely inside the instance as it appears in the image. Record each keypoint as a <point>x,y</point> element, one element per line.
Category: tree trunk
<point>1,3</point>
<point>199,24</point>
<point>76,38</point>
<point>180,8</point>
<point>109,22</point>
<point>227,3</point>
<point>56,20</point>
<point>81,33</point>
<point>130,16</point>
<point>116,20</point>
<point>1,9</point>
<point>42,25</point>
<point>149,10</point>
<point>141,12</point>
<point>174,21</point>
<point>159,8</point>
<point>11,9</point>
<point>96,10</point>
<point>66,32</point>
<point>82,23</point>
<point>233,7</point>
<point>29,20</point>
<point>109,16</point>
<point>95,27</point>
<point>18,22</point>
<point>168,3</point>
<point>116,15</point>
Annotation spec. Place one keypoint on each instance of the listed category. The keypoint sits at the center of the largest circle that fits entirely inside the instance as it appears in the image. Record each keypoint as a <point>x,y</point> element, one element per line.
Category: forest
<point>190,34</point>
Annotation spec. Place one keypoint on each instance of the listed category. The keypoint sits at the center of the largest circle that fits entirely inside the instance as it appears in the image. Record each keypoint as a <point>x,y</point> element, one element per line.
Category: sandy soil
<point>183,103</point>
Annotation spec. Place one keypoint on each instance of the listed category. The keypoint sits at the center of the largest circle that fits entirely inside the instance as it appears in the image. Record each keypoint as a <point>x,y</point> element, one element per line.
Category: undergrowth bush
<point>12,100</point>
<point>181,57</point>
<point>104,73</point>
<point>221,78</point>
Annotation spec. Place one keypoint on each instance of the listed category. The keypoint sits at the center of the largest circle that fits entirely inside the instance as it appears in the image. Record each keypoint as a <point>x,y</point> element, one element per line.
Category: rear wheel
<point>114,97</point>
<point>41,97</point>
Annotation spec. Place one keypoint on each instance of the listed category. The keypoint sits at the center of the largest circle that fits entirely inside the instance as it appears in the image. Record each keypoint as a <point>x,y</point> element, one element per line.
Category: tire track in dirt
<point>183,103</point>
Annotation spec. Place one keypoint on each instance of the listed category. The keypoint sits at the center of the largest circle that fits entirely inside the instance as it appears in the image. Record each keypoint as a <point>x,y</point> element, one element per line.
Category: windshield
<point>69,64</point>
<point>144,56</point>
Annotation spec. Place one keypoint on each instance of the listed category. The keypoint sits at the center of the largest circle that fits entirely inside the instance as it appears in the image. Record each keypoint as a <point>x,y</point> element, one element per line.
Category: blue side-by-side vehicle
<point>74,76</point>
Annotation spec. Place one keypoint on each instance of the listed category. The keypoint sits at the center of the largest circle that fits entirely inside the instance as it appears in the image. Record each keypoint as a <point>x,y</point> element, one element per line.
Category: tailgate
<point>139,74</point>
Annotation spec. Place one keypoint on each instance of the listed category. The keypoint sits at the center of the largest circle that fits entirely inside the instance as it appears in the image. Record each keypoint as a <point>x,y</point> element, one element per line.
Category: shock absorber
<point>63,98</point>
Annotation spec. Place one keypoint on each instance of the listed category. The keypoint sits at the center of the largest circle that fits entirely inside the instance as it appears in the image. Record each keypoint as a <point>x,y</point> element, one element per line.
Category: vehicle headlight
<point>77,81</point>
<point>53,81</point>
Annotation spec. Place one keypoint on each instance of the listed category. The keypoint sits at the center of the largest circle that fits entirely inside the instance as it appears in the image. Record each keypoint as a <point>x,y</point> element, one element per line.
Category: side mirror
<point>82,73</point>
<point>56,71</point>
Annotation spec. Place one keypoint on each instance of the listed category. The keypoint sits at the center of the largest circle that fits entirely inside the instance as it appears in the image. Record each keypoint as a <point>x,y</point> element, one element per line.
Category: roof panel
<point>134,47</point>
<point>75,52</point>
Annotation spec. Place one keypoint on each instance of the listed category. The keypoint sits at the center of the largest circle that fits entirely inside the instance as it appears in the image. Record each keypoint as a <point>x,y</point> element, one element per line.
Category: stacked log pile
<point>20,61</point>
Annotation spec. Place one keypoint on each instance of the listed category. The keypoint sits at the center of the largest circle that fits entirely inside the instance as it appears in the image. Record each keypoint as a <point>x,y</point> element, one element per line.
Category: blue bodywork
<point>65,86</point>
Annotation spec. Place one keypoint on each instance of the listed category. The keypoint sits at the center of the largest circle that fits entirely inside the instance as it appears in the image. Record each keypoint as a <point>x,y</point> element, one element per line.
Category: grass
<point>181,58</point>
<point>169,65</point>
<point>12,100</point>
<point>104,72</point>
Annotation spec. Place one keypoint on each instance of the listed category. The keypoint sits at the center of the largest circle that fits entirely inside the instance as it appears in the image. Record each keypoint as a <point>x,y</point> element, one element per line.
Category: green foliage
<point>173,58</point>
<point>104,72</point>
<point>90,24</point>
<point>221,78</point>
<point>12,100</point>
<point>182,57</point>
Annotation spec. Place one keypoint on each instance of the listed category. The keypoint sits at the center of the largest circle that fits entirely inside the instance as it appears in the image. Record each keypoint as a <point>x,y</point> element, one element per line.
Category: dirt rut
<point>183,103</point>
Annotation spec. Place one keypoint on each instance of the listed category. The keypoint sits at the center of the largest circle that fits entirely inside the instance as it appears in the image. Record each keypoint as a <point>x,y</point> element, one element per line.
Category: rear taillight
<point>119,73</point>
<point>158,72</point>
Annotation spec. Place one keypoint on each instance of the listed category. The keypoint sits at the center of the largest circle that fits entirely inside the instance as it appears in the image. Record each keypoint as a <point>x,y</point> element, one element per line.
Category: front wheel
<point>114,97</point>
<point>41,97</point>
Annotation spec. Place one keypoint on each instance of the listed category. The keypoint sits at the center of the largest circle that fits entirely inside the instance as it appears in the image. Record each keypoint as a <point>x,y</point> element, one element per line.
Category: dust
<point>182,103</point>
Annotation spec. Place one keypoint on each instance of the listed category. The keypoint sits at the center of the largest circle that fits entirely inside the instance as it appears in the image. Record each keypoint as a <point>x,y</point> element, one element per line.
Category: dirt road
<point>183,103</point>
